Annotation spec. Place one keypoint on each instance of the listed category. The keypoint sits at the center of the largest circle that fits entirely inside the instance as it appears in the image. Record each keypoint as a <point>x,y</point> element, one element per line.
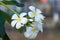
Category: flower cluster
<point>31,20</point>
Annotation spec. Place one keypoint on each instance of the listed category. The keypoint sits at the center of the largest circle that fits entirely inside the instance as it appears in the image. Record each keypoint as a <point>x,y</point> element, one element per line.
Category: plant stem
<point>9,8</point>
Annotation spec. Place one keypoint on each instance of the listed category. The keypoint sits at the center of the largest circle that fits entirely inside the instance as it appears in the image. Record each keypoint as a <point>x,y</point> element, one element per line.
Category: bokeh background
<point>51,24</point>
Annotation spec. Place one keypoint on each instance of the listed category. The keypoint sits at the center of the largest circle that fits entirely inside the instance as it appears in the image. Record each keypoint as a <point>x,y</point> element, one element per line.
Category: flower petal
<point>14,16</point>
<point>13,23</point>
<point>18,25</point>
<point>37,19</point>
<point>28,29</point>
<point>23,14</point>
<point>32,8</point>
<point>29,34</point>
<point>39,26</point>
<point>31,14</point>
<point>33,35</point>
<point>24,20</point>
<point>41,17</point>
<point>38,11</point>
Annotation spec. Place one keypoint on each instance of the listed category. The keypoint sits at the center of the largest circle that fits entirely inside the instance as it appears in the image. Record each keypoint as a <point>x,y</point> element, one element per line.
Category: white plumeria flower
<point>19,21</point>
<point>31,33</point>
<point>35,13</point>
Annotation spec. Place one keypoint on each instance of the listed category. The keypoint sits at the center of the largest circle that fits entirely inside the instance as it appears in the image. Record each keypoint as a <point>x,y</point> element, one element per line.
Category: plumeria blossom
<point>35,13</point>
<point>31,32</point>
<point>19,20</point>
<point>34,23</point>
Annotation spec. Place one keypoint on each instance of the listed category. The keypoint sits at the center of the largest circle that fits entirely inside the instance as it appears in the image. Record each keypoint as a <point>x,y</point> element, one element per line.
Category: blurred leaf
<point>2,29</point>
<point>14,12</point>
<point>13,3</point>
<point>7,17</point>
<point>2,21</point>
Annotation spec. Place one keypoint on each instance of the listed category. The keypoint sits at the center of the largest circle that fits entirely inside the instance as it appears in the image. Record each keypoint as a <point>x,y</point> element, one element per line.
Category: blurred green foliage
<point>13,3</point>
<point>3,34</point>
<point>7,16</point>
<point>2,21</point>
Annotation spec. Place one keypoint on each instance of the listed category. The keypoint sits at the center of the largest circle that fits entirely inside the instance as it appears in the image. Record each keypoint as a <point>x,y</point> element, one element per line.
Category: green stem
<point>9,8</point>
<point>13,3</point>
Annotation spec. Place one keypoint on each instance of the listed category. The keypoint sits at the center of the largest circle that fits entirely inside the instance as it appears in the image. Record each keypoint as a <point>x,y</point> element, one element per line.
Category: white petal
<point>27,34</point>
<point>32,8</point>
<point>41,17</point>
<point>33,35</point>
<point>38,11</point>
<point>41,29</point>
<point>14,16</point>
<point>31,14</point>
<point>28,29</point>
<point>13,23</point>
<point>37,19</point>
<point>18,25</point>
<point>24,20</point>
<point>30,35</point>
<point>39,26</point>
<point>23,14</point>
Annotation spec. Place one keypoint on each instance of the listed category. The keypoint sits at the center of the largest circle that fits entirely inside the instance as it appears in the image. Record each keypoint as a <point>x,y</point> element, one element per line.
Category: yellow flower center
<point>34,30</point>
<point>35,14</point>
<point>19,19</point>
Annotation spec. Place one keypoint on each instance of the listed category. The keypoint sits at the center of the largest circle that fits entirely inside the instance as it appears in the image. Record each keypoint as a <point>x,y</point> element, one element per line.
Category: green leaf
<point>13,3</point>
<point>2,21</point>
<point>14,12</point>
<point>7,17</point>
<point>2,28</point>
